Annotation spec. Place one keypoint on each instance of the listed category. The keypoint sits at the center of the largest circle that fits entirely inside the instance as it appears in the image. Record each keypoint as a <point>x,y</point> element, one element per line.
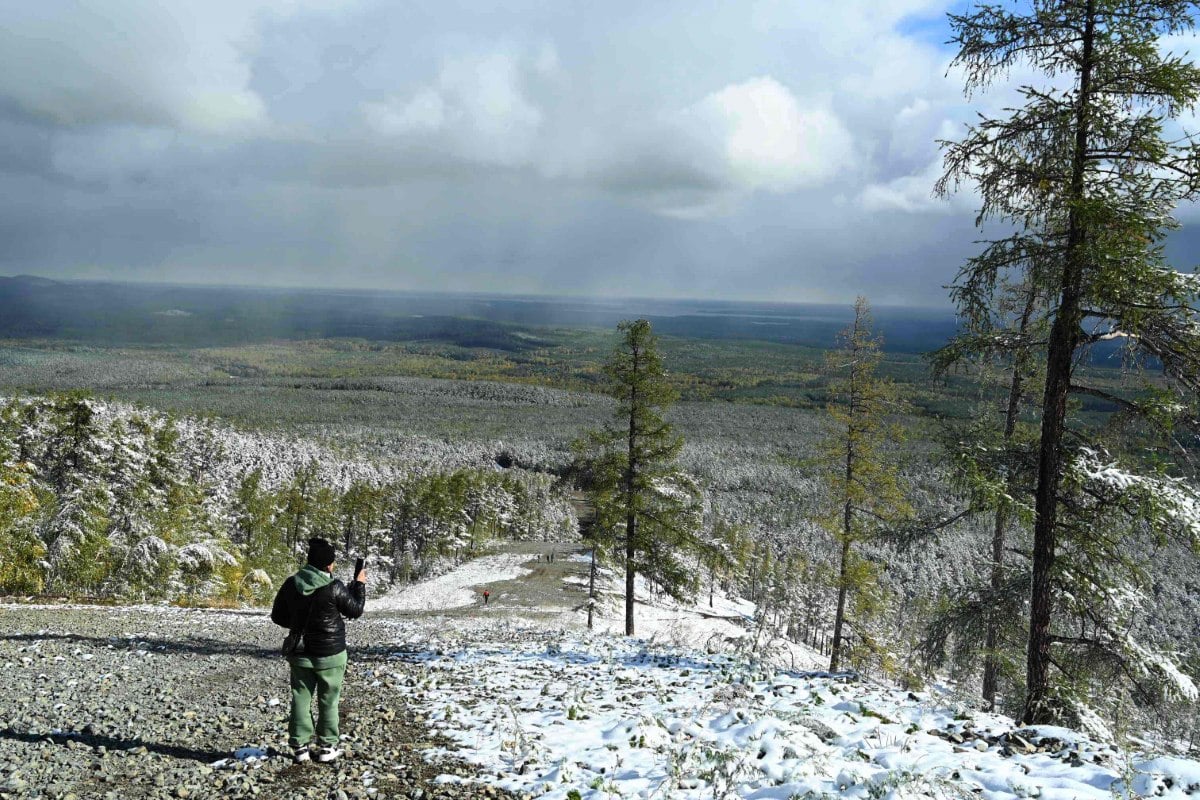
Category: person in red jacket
<point>315,602</point>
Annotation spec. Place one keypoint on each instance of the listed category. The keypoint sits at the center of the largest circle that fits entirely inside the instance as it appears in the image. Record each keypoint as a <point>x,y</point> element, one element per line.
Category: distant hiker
<point>486,595</point>
<point>314,602</point>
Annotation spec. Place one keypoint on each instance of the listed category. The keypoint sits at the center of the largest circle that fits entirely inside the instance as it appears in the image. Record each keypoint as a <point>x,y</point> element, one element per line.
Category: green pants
<point>322,677</point>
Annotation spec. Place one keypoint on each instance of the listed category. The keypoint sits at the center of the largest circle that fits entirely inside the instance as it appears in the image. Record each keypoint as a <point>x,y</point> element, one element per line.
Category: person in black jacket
<point>314,601</point>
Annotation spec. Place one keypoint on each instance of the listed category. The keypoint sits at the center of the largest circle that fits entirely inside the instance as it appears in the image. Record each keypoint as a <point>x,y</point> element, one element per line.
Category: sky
<point>750,150</point>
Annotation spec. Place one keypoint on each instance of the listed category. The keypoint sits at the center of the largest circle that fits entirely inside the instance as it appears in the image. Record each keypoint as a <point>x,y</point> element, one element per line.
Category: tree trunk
<point>1064,338</point>
<point>592,587</point>
<point>991,663</point>
<point>836,648</point>
<point>847,521</point>
<point>630,529</point>
<point>631,513</point>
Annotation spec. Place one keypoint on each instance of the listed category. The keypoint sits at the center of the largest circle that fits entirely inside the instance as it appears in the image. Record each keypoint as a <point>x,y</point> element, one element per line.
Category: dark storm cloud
<point>762,150</point>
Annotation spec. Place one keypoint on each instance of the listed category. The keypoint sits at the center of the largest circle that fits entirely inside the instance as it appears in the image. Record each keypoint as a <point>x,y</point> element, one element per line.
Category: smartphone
<point>359,563</point>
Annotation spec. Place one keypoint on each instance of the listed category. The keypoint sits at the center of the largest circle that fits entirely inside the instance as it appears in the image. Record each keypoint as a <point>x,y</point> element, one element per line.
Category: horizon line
<point>512,296</point>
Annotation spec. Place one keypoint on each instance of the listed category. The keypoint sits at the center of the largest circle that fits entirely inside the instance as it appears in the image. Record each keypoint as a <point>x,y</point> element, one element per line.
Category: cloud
<point>703,158</point>
<point>137,62</point>
<point>479,109</point>
<point>769,149</point>
<point>908,193</point>
<point>503,108</point>
<point>423,113</point>
<point>768,140</point>
<point>126,62</point>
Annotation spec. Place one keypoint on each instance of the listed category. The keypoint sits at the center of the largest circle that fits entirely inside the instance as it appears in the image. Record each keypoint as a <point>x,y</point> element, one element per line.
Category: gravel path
<point>150,702</point>
<point>538,589</point>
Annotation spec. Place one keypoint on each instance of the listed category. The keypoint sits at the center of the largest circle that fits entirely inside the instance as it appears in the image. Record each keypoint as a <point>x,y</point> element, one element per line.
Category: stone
<point>1020,745</point>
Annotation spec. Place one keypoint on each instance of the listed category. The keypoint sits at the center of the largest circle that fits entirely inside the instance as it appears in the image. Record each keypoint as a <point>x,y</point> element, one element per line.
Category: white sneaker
<point>301,755</point>
<point>327,754</point>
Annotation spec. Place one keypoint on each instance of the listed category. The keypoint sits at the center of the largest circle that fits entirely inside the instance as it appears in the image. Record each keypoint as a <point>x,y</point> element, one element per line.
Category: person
<point>486,595</point>
<point>314,601</point>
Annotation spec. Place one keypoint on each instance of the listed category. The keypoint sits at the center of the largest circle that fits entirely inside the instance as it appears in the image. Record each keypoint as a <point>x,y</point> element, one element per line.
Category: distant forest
<point>132,313</point>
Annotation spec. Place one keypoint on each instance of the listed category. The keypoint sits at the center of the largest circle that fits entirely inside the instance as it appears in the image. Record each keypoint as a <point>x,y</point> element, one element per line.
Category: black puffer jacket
<point>325,633</point>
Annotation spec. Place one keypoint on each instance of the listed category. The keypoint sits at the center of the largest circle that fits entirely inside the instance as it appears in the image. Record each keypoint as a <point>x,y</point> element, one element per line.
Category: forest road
<point>530,579</point>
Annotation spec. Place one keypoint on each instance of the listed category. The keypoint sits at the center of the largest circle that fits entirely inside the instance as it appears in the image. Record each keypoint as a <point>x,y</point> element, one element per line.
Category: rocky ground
<point>154,702</point>
<point>162,702</point>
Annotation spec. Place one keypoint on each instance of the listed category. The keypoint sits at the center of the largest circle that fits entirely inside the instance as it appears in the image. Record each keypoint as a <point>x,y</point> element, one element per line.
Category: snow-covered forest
<point>109,500</point>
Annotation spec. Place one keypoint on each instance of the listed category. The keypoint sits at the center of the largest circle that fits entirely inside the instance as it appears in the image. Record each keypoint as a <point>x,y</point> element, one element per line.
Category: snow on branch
<point>1173,501</point>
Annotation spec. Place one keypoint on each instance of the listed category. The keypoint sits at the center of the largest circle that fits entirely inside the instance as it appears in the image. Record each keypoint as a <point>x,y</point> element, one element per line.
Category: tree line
<point>111,501</point>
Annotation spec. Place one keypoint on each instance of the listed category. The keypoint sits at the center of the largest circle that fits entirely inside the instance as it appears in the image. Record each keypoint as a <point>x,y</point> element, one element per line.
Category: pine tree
<point>21,552</point>
<point>724,553</point>
<point>133,495</point>
<point>298,502</point>
<point>76,530</point>
<point>254,519</point>
<point>862,482</point>
<point>76,539</point>
<point>991,455</point>
<point>641,498</point>
<point>1086,173</point>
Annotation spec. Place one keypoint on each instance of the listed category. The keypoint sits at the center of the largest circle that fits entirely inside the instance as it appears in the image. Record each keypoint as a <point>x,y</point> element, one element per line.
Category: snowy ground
<point>557,713</point>
<point>727,624</point>
<point>551,709</point>
<point>693,710</point>
<point>454,589</point>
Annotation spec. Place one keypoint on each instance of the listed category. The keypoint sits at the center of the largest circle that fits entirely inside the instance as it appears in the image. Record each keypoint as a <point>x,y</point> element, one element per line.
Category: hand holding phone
<point>360,574</point>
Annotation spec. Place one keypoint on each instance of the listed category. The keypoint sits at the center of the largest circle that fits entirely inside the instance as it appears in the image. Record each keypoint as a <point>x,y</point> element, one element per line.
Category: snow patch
<point>453,590</point>
<point>587,716</point>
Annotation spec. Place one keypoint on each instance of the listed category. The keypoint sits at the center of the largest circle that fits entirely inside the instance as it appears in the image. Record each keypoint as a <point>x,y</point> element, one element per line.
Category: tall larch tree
<point>1086,170</point>
<point>863,482</point>
<point>642,501</point>
<point>992,465</point>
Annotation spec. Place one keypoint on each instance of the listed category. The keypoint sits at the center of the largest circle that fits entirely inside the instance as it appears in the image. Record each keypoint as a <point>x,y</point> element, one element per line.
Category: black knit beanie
<point>320,553</point>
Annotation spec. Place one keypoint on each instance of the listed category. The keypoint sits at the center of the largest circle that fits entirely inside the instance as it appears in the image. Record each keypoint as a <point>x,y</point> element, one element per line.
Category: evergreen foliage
<point>646,508</point>
<point>109,501</point>
<point>994,464</point>
<point>863,481</point>
<point>1087,171</point>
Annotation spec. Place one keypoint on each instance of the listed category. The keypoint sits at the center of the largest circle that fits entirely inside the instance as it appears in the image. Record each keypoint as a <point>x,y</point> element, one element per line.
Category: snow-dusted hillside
<point>615,718</point>
<point>554,710</point>
<point>105,499</point>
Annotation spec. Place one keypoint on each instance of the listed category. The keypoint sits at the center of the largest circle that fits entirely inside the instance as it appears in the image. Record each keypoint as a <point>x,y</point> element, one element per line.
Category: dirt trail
<point>543,593</point>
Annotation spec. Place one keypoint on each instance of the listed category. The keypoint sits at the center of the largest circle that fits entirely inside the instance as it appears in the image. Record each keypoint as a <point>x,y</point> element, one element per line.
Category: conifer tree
<point>991,455</point>
<point>640,497</point>
<point>863,483</point>
<point>724,555</point>
<point>21,552</point>
<point>298,502</point>
<point>1087,174</point>
<point>76,531</point>
<point>255,524</point>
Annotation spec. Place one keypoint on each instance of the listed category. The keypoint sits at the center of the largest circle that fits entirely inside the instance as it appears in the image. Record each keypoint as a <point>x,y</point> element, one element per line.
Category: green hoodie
<point>309,579</point>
